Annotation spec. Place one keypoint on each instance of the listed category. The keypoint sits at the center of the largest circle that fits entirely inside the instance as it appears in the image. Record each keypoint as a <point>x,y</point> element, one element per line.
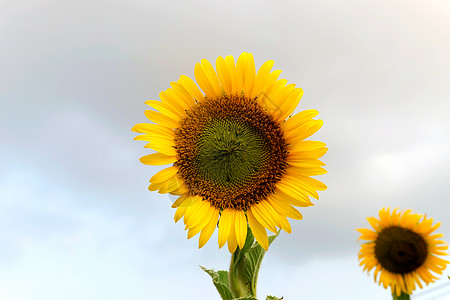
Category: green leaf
<point>223,277</point>
<point>220,280</point>
<point>273,298</point>
<point>253,259</point>
<point>246,298</point>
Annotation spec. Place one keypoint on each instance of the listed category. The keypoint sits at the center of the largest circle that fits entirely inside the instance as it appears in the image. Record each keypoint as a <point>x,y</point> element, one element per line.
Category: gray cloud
<point>75,212</point>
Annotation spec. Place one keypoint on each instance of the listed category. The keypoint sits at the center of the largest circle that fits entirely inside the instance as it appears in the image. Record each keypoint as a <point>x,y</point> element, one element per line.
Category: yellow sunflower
<point>235,158</point>
<point>403,250</point>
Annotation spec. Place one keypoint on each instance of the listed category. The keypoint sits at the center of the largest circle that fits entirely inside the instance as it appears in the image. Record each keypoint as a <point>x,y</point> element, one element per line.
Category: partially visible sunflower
<point>235,158</point>
<point>403,250</point>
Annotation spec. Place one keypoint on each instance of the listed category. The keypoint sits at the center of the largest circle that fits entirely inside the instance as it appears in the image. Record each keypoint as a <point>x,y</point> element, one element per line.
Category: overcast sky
<point>76,218</point>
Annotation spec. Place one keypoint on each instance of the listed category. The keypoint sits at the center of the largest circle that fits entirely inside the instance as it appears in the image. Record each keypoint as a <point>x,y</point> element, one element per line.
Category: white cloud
<point>406,166</point>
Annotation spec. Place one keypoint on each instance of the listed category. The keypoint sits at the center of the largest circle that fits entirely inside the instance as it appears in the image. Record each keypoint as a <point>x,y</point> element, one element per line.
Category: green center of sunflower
<point>230,151</point>
<point>400,250</point>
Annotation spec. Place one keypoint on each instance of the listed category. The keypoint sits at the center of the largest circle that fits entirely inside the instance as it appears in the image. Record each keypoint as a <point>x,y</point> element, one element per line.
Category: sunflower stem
<point>403,296</point>
<point>239,284</point>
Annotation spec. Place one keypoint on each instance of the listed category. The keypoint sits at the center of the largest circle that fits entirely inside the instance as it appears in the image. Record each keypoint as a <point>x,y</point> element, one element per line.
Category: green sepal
<point>246,298</point>
<point>273,298</point>
<point>253,259</point>
<point>220,280</point>
<point>403,296</point>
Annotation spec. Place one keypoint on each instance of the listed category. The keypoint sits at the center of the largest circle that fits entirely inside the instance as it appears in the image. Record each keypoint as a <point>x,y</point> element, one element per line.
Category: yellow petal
<point>191,87</point>
<point>263,217</point>
<point>206,233</point>
<point>152,128</point>
<point>171,185</point>
<point>164,146</point>
<point>190,200</point>
<point>193,231</point>
<point>180,200</point>
<point>404,218</point>
<point>156,137</point>
<point>282,98</point>
<point>296,120</point>
<point>258,230</point>
<point>157,159</point>
<point>305,163</point>
<point>284,208</point>
<point>432,228</point>
<point>401,282</point>
<point>207,79</point>
<point>306,146</point>
<point>270,212</point>
<point>298,152</point>
<point>300,201</point>
<point>270,99</point>
<point>241,228</point>
<point>310,184</point>
<point>224,75</point>
<point>397,288</point>
<point>308,171</point>
<point>297,177</point>
<point>225,225</point>
<point>293,190</point>
<point>200,213</point>
<point>284,224</point>
<point>232,242</point>
<point>395,217</point>
<point>367,234</point>
<point>410,282</point>
<point>176,104</point>
<point>295,136</point>
<point>155,186</point>
<point>183,189</point>
<point>412,221</point>
<point>417,280</point>
<point>164,174</point>
<point>374,223</point>
<point>164,109</point>
<point>179,213</point>
<point>179,92</point>
<point>191,210</point>
<point>246,66</point>
<point>161,119</point>
<point>385,219</point>
<point>375,273</point>
<point>292,100</point>
<point>263,79</point>
<point>205,221</point>
<point>236,76</point>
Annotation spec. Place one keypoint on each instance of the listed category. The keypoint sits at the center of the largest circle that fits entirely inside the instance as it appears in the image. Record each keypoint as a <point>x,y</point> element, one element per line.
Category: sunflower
<point>403,250</point>
<point>236,158</point>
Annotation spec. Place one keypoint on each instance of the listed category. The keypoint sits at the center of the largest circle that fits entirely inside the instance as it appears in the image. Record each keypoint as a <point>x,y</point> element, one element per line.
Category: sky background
<point>76,218</point>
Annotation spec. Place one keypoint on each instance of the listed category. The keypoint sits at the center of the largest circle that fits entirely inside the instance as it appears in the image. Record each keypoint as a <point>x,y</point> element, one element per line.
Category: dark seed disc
<point>400,250</point>
<point>231,151</point>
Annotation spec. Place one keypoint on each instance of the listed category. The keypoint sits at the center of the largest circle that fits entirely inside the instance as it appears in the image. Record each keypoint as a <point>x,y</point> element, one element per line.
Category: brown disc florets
<point>230,151</point>
<point>400,250</point>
